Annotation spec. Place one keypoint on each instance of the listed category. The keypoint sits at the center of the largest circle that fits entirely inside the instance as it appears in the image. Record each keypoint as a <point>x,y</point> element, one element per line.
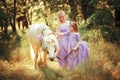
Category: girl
<point>77,49</point>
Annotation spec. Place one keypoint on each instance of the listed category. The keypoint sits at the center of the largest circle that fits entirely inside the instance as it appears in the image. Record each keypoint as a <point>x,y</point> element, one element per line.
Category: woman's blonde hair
<point>61,12</point>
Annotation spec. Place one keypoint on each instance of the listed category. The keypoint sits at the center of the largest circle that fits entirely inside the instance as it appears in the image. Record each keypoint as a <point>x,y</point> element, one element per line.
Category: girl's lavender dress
<point>75,58</point>
<point>63,43</point>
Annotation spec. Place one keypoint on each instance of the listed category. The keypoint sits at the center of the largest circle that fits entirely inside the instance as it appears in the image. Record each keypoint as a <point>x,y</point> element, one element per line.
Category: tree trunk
<point>5,27</point>
<point>84,5</point>
<point>14,17</point>
<point>117,17</point>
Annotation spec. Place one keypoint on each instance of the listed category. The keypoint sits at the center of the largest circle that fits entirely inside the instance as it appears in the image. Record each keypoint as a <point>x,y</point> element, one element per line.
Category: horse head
<point>49,43</point>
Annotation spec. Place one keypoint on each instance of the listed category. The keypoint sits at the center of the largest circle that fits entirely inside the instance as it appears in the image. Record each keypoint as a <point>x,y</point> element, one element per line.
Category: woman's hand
<point>56,34</point>
<point>59,34</point>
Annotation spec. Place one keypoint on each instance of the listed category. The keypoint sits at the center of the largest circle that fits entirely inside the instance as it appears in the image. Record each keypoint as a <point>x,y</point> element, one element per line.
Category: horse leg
<point>22,25</point>
<point>39,60</point>
<point>45,57</point>
<point>19,25</point>
<point>36,58</point>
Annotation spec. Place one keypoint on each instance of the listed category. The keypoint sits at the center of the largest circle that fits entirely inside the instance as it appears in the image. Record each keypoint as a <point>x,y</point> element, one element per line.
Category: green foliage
<point>101,17</point>
<point>4,18</point>
<point>93,3</point>
<point>110,33</point>
<point>89,34</point>
<point>50,74</point>
<point>114,4</point>
<point>9,43</point>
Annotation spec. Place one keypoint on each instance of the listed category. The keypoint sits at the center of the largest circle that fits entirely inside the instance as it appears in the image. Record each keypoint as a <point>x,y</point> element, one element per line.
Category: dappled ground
<point>24,70</point>
<point>16,64</point>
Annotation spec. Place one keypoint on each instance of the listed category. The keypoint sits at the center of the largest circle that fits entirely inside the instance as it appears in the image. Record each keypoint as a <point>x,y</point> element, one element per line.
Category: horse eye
<point>55,48</point>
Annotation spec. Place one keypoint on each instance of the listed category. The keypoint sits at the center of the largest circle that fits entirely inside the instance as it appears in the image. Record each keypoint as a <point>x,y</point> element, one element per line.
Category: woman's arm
<point>59,34</point>
<point>63,31</point>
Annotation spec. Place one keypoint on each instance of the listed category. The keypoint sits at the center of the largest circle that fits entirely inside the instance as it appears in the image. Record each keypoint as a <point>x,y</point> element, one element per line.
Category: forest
<point>99,25</point>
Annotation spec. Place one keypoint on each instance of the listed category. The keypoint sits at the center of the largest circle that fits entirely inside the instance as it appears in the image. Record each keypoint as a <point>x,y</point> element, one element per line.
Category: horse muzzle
<point>52,59</point>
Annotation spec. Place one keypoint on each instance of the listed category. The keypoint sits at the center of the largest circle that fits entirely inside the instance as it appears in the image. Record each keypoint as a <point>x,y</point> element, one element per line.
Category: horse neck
<point>47,32</point>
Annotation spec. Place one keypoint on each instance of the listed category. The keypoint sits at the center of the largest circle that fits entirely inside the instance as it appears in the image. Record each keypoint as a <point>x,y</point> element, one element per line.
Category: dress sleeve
<point>67,33</point>
<point>78,37</point>
<point>64,29</point>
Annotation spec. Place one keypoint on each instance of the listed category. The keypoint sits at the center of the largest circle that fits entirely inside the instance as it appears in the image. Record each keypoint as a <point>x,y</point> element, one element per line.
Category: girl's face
<point>62,18</point>
<point>71,29</point>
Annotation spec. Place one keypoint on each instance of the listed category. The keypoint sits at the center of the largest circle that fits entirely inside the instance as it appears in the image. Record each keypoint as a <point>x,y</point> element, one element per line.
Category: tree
<point>9,14</point>
<point>14,19</point>
<point>73,10</point>
<point>115,6</point>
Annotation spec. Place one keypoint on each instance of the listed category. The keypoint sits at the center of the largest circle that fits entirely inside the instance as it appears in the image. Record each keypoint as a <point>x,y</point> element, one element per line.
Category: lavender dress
<point>63,43</point>
<point>75,58</point>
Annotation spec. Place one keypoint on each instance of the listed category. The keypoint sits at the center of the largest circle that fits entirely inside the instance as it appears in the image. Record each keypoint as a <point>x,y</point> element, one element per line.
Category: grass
<point>16,64</point>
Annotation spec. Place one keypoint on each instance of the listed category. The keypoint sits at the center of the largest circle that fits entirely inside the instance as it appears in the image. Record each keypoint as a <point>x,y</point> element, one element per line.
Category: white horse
<point>42,38</point>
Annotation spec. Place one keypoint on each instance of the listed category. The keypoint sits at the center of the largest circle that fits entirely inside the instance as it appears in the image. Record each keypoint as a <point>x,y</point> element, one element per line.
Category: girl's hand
<point>75,49</point>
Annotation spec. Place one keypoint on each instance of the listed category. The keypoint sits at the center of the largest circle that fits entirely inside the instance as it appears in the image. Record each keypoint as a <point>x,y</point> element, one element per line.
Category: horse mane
<point>47,31</point>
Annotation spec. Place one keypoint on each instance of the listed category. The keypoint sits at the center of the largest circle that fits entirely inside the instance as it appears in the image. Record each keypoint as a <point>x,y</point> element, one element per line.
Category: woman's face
<point>62,18</point>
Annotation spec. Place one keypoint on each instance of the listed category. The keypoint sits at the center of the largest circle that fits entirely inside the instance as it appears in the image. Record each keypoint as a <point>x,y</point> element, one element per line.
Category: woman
<point>78,49</point>
<point>63,32</point>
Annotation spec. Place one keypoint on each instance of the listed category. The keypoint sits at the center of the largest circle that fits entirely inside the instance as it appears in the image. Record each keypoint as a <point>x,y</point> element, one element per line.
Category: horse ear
<point>39,37</point>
